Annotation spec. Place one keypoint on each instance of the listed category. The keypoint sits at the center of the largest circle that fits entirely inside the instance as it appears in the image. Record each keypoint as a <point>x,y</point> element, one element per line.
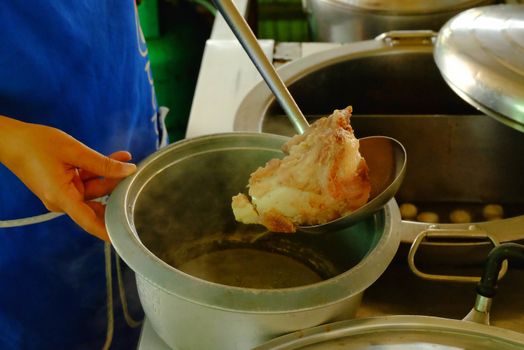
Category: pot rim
<point>258,100</point>
<point>172,281</point>
<point>402,8</point>
<point>391,325</point>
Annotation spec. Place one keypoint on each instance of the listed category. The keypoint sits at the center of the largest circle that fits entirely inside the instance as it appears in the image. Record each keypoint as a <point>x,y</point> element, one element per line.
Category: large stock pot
<point>458,158</point>
<point>174,212</point>
<point>355,20</point>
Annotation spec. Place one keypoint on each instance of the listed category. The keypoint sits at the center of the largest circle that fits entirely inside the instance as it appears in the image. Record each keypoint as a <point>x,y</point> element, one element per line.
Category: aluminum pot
<point>176,208</point>
<point>355,20</point>
<point>457,155</point>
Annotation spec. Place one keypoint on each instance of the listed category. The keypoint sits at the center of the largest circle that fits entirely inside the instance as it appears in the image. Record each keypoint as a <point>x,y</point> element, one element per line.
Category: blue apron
<point>80,66</point>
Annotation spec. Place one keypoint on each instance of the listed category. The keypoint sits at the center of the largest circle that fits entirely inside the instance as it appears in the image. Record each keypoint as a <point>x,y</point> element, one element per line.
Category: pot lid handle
<point>480,54</point>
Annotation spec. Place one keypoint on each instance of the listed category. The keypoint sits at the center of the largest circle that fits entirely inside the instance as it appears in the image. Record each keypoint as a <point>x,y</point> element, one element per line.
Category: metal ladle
<point>385,156</point>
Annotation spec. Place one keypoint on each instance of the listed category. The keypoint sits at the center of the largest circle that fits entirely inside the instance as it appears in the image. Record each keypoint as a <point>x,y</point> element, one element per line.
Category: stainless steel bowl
<point>176,209</point>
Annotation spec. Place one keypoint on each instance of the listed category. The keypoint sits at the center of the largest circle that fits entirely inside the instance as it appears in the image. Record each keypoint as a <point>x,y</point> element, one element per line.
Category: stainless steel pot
<point>355,20</point>
<point>176,208</point>
<point>456,155</point>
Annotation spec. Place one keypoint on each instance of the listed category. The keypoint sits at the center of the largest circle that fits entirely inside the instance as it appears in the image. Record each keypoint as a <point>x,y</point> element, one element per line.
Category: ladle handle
<point>249,42</point>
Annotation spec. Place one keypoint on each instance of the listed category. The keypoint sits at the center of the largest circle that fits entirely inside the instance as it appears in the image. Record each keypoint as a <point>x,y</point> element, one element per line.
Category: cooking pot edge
<point>387,326</point>
<point>161,275</point>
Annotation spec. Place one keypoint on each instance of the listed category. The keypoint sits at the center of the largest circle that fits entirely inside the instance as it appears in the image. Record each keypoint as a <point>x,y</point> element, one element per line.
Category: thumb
<point>100,165</point>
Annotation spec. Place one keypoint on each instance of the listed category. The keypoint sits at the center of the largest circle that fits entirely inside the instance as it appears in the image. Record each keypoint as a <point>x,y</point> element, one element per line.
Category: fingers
<point>93,162</point>
<point>98,177</point>
<point>122,156</point>
<point>94,186</point>
<point>58,169</point>
<point>99,187</point>
<point>77,181</point>
<point>88,215</point>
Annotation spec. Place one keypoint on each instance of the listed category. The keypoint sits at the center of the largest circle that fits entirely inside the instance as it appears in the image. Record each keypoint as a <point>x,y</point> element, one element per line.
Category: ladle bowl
<point>386,159</point>
<point>385,156</point>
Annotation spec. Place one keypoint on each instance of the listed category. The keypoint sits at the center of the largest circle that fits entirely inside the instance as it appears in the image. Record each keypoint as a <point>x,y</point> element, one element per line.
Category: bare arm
<point>64,173</point>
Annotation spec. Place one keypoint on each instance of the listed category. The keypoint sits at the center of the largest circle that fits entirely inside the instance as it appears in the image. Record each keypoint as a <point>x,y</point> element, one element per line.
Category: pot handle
<point>487,287</point>
<point>496,258</point>
<point>408,37</point>
<point>471,233</point>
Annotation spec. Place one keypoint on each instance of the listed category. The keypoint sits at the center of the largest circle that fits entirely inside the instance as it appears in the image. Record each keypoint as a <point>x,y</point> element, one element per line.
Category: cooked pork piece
<point>321,178</point>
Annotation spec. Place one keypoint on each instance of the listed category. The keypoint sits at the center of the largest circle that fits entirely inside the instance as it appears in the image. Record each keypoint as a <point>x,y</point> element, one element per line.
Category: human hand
<point>63,173</point>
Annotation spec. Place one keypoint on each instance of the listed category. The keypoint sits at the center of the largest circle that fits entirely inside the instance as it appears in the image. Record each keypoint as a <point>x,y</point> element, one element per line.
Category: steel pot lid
<point>480,54</point>
<point>399,332</point>
<point>412,7</point>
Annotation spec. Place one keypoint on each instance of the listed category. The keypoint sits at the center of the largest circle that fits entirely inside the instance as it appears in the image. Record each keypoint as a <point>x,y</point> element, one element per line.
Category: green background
<point>176,32</point>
